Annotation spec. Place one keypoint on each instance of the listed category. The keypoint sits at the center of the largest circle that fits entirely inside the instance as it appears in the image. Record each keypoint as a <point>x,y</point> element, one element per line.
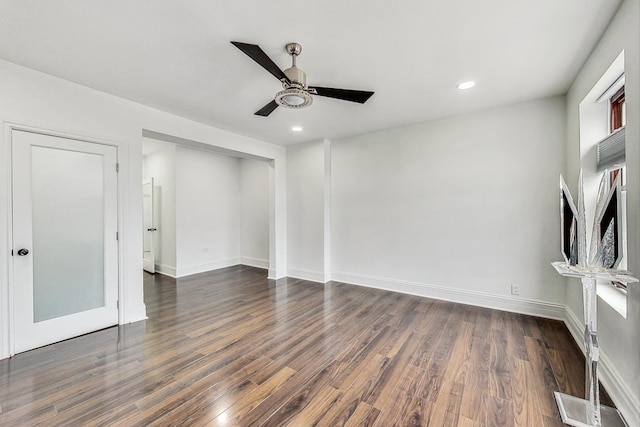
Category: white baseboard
<point>254,262</point>
<point>167,270</point>
<point>621,393</point>
<point>310,275</point>
<point>135,314</point>
<point>201,268</point>
<point>481,299</point>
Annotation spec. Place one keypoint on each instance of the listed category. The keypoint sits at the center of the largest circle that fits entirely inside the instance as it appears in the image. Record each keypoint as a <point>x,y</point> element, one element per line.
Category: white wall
<point>459,208</point>
<point>254,213</point>
<point>619,337</point>
<point>161,166</point>
<point>305,195</point>
<point>212,210</point>
<point>207,211</point>
<point>55,105</point>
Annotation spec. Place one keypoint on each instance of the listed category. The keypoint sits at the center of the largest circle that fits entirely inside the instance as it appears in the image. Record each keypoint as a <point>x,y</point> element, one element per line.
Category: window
<point>613,174</point>
<point>617,110</point>
<point>611,149</point>
<point>602,129</point>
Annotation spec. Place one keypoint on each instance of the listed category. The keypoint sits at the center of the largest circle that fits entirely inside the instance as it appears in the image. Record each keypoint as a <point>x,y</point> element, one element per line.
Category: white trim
<point>201,268</point>
<point>481,299</point>
<point>171,271</point>
<point>613,88</point>
<point>310,275</point>
<point>123,179</point>
<point>614,297</point>
<point>625,399</point>
<point>254,262</point>
<point>166,270</point>
<point>135,314</point>
<point>6,266</point>
<point>327,211</point>
<point>195,145</point>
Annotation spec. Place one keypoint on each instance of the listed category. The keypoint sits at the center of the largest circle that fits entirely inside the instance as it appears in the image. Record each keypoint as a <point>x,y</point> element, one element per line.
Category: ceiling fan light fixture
<point>293,98</point>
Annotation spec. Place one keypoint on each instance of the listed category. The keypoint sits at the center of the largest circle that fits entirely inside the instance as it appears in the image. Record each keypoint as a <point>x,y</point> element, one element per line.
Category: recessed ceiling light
<point>466,85</point>
<point>296,128</point>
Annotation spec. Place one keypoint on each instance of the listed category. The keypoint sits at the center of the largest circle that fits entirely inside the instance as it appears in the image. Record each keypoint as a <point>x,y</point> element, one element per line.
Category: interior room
<point>209,210</point>
<point>366,239</point>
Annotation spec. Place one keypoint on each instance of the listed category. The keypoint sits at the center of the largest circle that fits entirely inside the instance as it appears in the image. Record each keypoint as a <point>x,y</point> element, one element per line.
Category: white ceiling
<point>176,56</point>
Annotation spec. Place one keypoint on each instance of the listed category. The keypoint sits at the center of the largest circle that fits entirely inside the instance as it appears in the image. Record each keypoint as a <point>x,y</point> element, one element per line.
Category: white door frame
<point>149,265</point>
<point>7,309</point>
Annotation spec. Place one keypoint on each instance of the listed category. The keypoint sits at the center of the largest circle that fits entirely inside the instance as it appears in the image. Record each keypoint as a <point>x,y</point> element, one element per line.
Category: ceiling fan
<point>295,93</point>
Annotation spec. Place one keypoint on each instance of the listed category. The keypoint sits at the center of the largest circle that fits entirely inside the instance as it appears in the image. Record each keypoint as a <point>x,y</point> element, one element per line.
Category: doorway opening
<point>208,208</point>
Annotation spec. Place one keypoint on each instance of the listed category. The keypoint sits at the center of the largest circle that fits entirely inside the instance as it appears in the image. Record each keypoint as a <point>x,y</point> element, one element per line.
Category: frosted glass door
<point>65,248</point>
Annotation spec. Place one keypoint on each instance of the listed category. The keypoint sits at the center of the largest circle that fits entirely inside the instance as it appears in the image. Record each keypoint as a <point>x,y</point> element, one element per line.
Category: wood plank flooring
<point>231,348</point>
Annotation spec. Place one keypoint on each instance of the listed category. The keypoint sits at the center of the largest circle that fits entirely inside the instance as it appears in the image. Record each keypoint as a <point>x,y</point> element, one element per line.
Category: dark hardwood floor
<point>233,348</point>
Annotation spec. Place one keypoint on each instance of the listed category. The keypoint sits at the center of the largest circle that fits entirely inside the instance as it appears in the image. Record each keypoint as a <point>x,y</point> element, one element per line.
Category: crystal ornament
<point>582,226</point>
<point>607,255</point>
<point>602,254</point>
<point>595,256</point>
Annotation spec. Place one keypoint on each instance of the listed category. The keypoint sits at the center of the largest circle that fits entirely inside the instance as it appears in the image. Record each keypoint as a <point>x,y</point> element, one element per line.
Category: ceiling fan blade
<point>267,109</point>
<point>360,96</point>
<point>254,52</point>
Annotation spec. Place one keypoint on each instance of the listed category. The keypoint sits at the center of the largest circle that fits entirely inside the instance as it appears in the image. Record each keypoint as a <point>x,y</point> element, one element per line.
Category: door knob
<point>23,252</point>
<point>151,229</point>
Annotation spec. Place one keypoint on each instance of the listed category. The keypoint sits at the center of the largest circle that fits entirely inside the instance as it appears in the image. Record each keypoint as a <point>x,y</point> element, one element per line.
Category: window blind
<point>611,150</point>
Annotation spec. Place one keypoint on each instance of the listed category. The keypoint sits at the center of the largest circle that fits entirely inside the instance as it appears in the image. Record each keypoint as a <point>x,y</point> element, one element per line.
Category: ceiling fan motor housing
<point>296,76</point>
<point>295,94</point>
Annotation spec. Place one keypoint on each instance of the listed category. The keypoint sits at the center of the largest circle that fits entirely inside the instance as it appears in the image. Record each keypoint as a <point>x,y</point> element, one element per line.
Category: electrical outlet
<point>515,289</point>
